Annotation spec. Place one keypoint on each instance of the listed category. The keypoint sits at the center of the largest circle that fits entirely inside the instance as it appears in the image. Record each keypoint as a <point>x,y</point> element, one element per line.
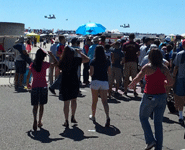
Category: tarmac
<point>125,132</point>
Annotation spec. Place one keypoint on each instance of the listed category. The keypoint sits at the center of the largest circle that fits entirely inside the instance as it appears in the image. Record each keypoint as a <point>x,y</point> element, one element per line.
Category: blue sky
<point>144,16</point>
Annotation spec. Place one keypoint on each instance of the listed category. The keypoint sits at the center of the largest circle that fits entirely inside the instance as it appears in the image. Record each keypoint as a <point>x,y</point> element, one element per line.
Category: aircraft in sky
<point>50,17</point>
<point>125,26</point>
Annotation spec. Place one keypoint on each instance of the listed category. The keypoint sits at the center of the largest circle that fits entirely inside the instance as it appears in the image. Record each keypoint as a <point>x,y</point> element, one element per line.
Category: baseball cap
<point>168,39</point>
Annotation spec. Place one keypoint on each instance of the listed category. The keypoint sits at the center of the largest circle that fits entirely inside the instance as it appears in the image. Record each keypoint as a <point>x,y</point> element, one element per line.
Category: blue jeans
<point>57,82</point>
<point>157,105</point>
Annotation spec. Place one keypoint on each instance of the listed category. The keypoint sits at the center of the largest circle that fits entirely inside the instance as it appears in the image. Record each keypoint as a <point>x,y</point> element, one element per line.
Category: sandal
<point>66,124</point>
<point>107,123</point>
<point>40,125</point>
<point>35,125</point>
<point>73,120</point>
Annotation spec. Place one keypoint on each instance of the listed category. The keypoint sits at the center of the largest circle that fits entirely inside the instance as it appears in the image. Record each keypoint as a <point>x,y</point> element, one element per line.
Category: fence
<point>7,67</point>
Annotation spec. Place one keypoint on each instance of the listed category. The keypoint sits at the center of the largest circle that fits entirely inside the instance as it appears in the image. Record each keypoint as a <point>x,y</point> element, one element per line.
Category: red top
<point>130,48</point>
<point>39,78</point>
<point>86,47</point>
<point>155,83</point>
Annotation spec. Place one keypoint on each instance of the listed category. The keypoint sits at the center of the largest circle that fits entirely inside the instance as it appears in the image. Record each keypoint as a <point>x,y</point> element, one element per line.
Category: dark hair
<point>107,46</point>
<point>39,58</point>
<point>61,37</point>
<point>169,48</point>
<point>157,42</point>
<point>156,58</point>
<point>131,36</point>
<point>78,42</point>
<point>28,42</point>
<point>65,62</point>
<point>100,54</point>
<point>103,38</point>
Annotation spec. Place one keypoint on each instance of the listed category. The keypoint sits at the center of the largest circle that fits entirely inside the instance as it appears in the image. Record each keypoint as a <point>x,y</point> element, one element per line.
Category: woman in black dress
<point>69,87</point>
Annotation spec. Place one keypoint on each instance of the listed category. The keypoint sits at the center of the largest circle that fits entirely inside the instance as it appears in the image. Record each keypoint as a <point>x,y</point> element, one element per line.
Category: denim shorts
<point>99,85</point>
<point>39,95</point>
<point>180,87</point>
<point>20,67</point>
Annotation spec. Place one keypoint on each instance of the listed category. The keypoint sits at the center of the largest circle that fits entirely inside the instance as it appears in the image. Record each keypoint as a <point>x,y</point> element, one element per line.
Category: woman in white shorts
<point>99,67</point>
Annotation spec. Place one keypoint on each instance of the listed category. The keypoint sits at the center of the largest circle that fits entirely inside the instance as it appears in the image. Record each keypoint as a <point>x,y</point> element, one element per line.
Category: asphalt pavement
<point>125,132</point>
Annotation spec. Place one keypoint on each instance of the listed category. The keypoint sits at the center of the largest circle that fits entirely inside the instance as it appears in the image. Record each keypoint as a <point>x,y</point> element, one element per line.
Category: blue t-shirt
<point>117,58</point>
<point>179,61</point>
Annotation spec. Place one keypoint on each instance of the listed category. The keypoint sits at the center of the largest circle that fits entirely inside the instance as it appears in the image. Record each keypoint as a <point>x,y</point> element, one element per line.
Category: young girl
<point>28,46</point>
<point>39,91</point>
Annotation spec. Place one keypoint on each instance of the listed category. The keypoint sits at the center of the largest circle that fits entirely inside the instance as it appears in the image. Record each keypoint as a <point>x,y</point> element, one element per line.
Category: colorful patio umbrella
<point>90,28</point>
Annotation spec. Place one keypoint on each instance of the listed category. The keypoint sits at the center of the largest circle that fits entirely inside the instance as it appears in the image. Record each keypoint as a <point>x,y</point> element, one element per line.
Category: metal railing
<point>7,67</point>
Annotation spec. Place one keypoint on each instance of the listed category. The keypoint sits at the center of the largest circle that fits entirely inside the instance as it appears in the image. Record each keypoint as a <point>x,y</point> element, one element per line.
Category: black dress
<point>69,87</point>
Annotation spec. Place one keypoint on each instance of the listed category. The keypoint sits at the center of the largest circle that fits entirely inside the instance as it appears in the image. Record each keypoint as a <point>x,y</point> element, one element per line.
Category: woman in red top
<point>157,77</point>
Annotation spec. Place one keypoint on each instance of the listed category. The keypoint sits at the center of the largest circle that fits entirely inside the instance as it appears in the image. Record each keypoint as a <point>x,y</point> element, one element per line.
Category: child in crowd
<point>39,91</point>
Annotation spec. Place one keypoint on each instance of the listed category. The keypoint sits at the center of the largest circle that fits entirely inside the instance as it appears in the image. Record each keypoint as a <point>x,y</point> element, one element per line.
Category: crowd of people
<point>158,66</point>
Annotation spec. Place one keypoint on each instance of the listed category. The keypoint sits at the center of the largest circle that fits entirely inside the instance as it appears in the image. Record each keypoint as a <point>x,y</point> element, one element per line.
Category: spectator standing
<point>99,67</point>
<point>117,61</point>
<point>131,50</point>
<point>157,77</point>
<point>28,46</point>
<point>69,87</point>
<point>144,48</point>
<point>20,64</point>
<point>60,49</point>
<point>86,65</point>
<point>179,75</point>
<point>92,48</point>
<point>53,50</point>
<point>39,91</point>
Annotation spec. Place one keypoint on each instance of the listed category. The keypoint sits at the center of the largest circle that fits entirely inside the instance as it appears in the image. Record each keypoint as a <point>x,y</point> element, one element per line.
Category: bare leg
<point>94,101</point>
<point>126,83</point>
<point>35,108</point>
<point>66,109</point>
<point>103,94</point>
<point>73,110</point>
<point>41,110</point>
<point>73,106</point>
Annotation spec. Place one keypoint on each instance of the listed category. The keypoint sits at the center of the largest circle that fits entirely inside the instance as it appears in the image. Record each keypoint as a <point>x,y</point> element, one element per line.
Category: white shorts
<point>99,85</point>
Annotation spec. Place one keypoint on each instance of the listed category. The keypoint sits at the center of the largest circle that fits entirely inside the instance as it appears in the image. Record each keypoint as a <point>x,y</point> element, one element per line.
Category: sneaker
<point>52,91</point>
<point>150,146</point>
<point>181,121</point>
<point>91,118</point>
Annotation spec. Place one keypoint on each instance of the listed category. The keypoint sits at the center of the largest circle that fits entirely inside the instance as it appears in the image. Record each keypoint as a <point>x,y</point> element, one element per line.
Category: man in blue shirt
<point>92,47</point>
<point>179,75</point>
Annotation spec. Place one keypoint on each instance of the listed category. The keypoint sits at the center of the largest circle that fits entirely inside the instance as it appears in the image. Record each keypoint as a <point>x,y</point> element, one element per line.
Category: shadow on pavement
<point>113,100</point>
<point>110,131</point>
<point>167,120</point>
<point>75,134</point>
<point>128,98</point>
<point>42,136</point>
